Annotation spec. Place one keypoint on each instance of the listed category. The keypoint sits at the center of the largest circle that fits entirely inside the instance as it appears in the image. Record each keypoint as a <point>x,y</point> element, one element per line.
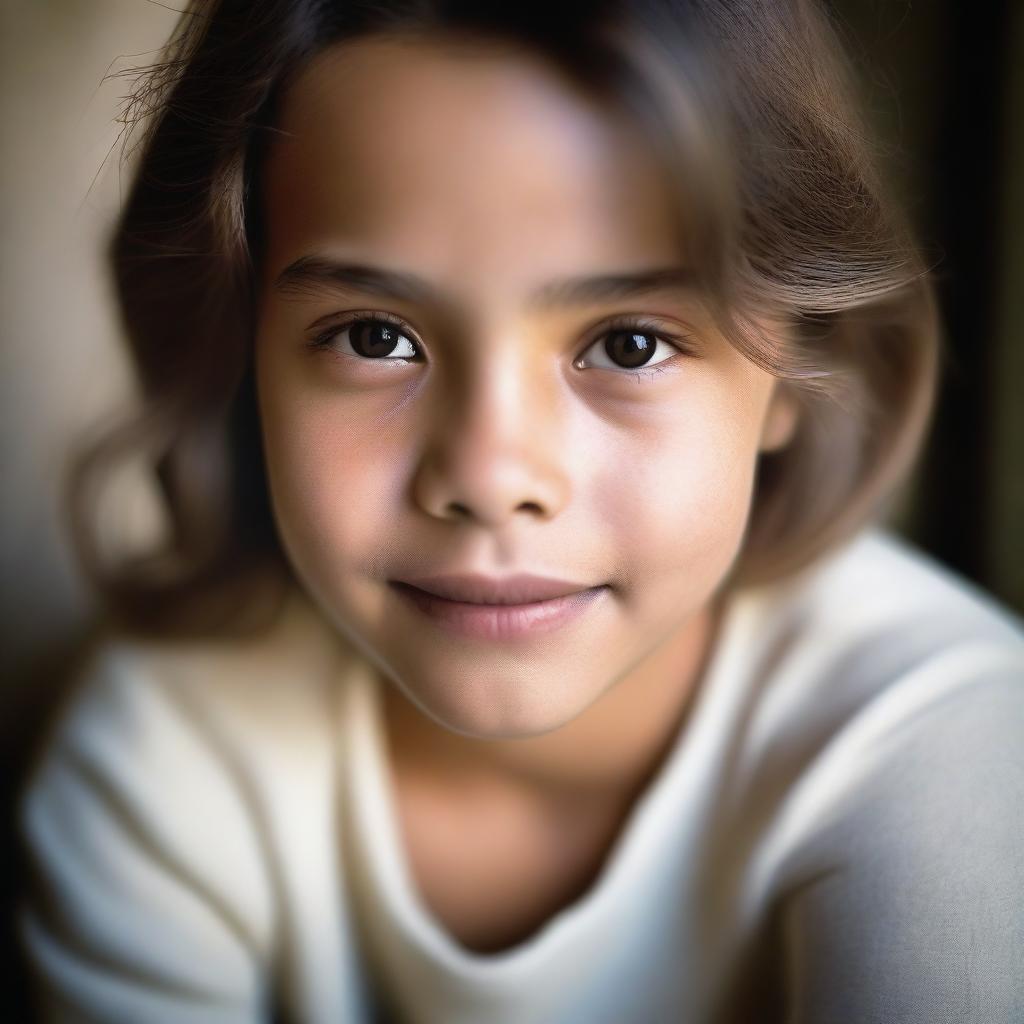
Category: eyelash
<point>619,323</point>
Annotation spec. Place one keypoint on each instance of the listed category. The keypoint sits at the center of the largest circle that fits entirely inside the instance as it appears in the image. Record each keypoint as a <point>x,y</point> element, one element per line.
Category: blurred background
<point>943,80</point>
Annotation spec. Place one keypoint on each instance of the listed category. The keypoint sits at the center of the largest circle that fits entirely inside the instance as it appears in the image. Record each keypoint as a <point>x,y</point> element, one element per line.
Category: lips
<point>508,590</point>
<point>515,611</point>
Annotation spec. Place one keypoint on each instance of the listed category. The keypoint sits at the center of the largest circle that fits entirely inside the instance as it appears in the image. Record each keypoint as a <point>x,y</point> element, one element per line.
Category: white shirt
<point>836,834</point>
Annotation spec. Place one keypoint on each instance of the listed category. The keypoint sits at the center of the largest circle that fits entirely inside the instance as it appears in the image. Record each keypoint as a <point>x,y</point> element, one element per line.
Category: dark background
<point>944,82</point>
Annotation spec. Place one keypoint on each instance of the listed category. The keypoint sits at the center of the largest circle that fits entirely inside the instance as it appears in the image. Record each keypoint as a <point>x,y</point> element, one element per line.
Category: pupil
<point>629,348</point>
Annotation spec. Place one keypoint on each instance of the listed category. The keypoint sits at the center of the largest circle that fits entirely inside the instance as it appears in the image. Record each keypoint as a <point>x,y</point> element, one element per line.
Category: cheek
<point>678,499</point>
<point>332,478</point>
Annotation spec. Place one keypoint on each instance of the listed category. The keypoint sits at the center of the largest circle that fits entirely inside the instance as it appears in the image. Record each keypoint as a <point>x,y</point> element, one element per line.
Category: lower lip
<point>500,621</point>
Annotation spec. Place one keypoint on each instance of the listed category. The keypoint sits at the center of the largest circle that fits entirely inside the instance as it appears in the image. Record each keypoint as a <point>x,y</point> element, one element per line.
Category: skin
<point>489,174</point>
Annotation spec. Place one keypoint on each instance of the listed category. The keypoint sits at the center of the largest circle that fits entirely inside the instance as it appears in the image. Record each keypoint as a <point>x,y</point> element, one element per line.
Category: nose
<point>494,449</point>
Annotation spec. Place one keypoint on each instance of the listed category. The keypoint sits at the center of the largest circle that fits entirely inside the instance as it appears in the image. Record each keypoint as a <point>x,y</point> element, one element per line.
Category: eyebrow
<point>320,272</point>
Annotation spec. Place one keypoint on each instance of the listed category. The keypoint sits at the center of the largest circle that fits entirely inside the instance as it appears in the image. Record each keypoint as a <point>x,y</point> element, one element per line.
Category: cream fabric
<point>836,835</point>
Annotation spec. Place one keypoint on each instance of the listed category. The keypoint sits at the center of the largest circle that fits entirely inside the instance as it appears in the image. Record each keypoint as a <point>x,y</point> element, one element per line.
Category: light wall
<point>61,361</point>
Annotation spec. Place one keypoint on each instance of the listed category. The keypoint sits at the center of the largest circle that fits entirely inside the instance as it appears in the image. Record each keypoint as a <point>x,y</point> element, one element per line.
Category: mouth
<point>508,617</point>
<point>470,588</point>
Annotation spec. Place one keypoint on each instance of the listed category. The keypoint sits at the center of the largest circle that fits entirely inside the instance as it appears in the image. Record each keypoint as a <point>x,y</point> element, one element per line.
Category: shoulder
<point>155,701</point>
<point>892,877</point>
<point>147,820</point>
<point>900,578</point>
<point>879,587</point>
<point>872,655</point>
<point>179,727</point>
<point>876,634</point>
<point>888,753</point>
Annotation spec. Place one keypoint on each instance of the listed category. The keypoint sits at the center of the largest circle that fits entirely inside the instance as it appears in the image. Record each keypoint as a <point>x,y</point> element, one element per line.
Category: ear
<point>781,418</point>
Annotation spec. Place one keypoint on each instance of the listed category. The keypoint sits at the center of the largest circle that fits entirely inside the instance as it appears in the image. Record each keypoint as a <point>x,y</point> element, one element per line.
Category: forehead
<point>480,160</point>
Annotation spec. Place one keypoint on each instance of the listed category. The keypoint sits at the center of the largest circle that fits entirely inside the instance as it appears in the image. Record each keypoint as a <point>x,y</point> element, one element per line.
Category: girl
<point>526,386</point>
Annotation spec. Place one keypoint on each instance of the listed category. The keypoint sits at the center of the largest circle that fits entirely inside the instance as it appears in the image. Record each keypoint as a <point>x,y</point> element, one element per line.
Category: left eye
<point>370,338</point>
<point>629,348</point>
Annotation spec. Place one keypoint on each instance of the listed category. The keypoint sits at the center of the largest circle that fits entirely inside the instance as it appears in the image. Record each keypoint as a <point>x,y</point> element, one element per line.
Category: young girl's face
<point>503,420</point>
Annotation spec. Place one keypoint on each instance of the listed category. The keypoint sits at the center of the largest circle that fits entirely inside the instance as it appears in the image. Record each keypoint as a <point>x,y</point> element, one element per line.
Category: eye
<point>378,337</point>
<point>631,345</point>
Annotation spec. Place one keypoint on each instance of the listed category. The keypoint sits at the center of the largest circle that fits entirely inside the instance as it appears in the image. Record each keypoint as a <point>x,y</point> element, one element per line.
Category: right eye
<point>374,337</point>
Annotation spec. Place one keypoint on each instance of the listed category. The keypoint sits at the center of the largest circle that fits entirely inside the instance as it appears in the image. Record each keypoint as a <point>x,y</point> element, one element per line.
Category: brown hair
<point>752,105</point>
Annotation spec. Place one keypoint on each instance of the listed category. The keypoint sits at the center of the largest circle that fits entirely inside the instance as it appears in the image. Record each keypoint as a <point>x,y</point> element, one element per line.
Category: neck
<point>607,754</point>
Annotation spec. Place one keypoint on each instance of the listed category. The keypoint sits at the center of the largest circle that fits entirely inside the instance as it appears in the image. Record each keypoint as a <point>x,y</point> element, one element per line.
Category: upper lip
<point>477,589</point>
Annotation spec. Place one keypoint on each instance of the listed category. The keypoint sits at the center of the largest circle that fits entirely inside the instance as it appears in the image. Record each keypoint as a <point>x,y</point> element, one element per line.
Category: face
<point>460,404</point>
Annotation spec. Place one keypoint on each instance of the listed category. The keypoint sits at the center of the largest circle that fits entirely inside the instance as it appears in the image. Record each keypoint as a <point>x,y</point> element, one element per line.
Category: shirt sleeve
<point>148,899</point>
<point>912,908</point>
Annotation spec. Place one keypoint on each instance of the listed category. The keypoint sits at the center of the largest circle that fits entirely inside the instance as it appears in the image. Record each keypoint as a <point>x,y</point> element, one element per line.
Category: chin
<point>511,711</point>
